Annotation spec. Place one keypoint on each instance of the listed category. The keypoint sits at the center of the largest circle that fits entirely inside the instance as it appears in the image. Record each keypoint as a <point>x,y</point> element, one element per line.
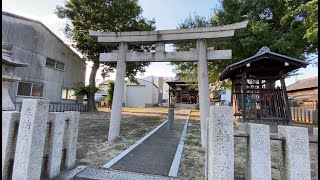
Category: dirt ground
<point>192,163</point>
<point>93,149</point>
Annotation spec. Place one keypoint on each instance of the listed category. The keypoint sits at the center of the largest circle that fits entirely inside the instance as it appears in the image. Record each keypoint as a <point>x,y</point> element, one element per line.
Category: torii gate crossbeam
<point>201,54</point>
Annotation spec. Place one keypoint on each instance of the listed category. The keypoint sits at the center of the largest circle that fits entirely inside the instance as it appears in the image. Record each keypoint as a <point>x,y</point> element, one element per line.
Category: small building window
<point>60,65</point>
<point>30,89</point>
<point>37,90</point>
<point>54,64</point>
<point>68,94</point>
<point>50,63</point>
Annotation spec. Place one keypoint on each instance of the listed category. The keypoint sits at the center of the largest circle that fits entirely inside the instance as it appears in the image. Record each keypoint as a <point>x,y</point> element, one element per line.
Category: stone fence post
<point>71,137</point>
<point>57,120</point>
<point>31,139</point>
<point>296,150</point>
<point>9,121</point>
<point>258,156</point>
<point>220,144</point>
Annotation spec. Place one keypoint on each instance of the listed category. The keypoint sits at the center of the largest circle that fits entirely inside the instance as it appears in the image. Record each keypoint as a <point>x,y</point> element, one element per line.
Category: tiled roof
<point>304,84</point>
<point>304,97</point>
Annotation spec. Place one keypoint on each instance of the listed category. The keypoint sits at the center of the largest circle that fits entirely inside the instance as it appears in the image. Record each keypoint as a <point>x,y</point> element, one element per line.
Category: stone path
<point>156,153</point>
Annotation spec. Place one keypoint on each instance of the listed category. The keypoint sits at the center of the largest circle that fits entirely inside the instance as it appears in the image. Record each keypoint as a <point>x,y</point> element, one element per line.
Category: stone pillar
<point>241,127</point>
<point>9,120</point>
<point>259,157</point>
<point>115,118</point>
<point>203,86</point>
<point>170,118</point>
<point>57,120</point>
<point>71,137</point>
<point>221,143</point>
<point>296,150</point>
<point>315,116</point>
<point>206,125</point>
<point>31,139</point>
<point>315,133</point>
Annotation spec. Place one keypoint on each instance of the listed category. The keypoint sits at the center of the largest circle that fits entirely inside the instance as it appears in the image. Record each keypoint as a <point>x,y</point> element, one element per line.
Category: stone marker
<point>297,156</point>
<point>31,139</point>
<point>9,120</point>
<point>71,136</point>
<point>171,118</point>
<point>259,157</point>
<point>221,143</point>
<point>57,120</point>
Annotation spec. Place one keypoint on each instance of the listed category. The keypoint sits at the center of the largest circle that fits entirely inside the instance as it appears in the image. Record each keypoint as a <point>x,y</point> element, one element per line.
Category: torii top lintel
<point>169,36</point>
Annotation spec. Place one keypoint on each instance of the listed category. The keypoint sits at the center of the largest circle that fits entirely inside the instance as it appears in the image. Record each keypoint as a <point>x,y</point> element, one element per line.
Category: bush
<point>110,94</point>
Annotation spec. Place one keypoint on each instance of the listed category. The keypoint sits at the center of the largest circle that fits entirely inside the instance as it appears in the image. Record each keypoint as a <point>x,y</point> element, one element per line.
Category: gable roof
<point>264,59</point>
<point>304,84</point>
<point>39,22</point>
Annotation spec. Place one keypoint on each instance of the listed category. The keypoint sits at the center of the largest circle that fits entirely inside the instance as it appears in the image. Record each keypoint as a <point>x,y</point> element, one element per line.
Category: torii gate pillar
<point>115,118</point>
<point>204,98</point>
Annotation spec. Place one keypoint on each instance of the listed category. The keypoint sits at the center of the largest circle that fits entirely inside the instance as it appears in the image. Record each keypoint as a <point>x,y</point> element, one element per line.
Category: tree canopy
<point>286,27</point>
<point>106,16</point>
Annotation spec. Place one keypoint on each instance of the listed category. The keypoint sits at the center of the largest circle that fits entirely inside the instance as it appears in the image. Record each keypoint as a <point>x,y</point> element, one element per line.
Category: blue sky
<point>167,13</point>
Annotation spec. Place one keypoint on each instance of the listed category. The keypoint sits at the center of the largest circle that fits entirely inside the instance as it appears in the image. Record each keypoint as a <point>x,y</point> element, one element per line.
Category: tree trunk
<point>92,85</point>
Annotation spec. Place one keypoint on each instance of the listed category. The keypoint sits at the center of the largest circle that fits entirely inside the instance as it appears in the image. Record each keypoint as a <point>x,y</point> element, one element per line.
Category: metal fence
<point>60,107</point>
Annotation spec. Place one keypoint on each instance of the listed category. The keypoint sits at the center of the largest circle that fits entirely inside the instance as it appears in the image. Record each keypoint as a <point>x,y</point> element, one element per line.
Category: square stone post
<point>57,120</point>
<point>31,138</point>
<point>221,144</point>
<point>204,97</point>
<point>9,120</point>
<point>296,150</point>
<point>258,157</point>
<point>315,133</point>
<point>71,136</point>
<point>115,118</point>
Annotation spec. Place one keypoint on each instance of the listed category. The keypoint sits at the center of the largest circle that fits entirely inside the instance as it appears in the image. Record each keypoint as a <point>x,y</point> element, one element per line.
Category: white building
<point>143,94</point>
<point>160,82</point>
<point>53,66</point>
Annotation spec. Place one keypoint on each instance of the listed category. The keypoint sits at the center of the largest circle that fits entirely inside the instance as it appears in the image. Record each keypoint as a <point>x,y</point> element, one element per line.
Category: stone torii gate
<point>201,55</point>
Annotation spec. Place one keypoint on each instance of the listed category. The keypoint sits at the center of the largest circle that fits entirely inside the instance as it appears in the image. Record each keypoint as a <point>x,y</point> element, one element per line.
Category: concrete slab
<point>93,173</point>
<point>155,154</point>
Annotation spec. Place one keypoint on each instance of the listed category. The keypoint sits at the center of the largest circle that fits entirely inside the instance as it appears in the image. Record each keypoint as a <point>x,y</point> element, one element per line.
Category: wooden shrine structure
<point>254,95</point>
<point>185,93</point>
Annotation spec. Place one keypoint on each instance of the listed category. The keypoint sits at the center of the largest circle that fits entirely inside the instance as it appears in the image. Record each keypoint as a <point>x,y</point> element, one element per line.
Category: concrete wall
<point>33,43</point>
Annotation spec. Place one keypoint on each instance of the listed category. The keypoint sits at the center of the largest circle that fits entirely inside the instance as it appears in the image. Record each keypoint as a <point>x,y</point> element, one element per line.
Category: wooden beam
<point>179,56</point>
<point>286,100</point>
<point>244,96</point>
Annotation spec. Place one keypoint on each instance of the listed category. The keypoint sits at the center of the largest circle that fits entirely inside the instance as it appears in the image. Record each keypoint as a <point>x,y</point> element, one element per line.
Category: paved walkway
<point>156,153</point>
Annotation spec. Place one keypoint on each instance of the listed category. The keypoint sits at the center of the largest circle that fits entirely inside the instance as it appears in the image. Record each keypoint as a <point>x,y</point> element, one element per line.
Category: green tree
<point>107,16</point>
<point>110,94</point>
<point>271,23</point>
<point>81,90</point>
